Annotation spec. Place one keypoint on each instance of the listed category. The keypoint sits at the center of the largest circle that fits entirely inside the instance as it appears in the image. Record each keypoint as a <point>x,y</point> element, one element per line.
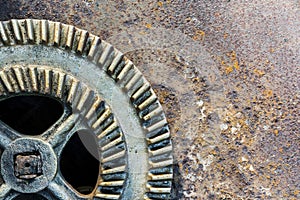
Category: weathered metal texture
<point>102,91</point>
<point>227,74</point>
<point>31,181</point>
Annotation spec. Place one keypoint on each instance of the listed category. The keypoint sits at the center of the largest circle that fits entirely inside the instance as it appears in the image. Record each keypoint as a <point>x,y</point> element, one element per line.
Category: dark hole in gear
<point>30,115</point>
<point>30,197</point>
<point>80,163</point>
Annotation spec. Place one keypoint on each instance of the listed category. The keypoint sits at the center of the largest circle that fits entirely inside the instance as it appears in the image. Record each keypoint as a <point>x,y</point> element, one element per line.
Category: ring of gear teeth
<point>54,83</point>
<point>123,72</point>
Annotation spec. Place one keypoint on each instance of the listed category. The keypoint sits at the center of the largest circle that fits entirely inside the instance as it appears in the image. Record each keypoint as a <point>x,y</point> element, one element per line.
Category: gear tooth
<point>155,111</point>
<point>114,170</point>
<point>139,91</point>
<point>148,101</point>
<point>13,80</point>
<point>3,90</point>
<point>73,91</point>
<point>130,85</point>
<point>44,31</point>
<point>164,150</point>
<point>54,33</point>
<point>75,42</point>
<point>19,77</point>
<point>108,130</point>
<point>33,79</point>
<point>101,118</point>
<point>82,41</point>
<point>118,58</point>
<point>158,121</point>
<point>114,141</point>
<point>30,29</point>
<point>6,31</point>
<point>85,99</point>
<point>106,56</point>
<point>130,73</point>
<point>70,36</point>
<point>88,42</point>
<point>91,115</point>
<point>101,196</point>
<point>114,156</point>
<point>36,25</point>
<point>6,82</point>
<point>57,33</point>
<point>19,28</point>
<point>94,48</point>
<point>48,81</point>
<point>23,29</point>
<point>64,31</point>
<point>16,30</point>
<point>3,35</point>
<point>60,85</point>
<point>26,79</point>
<point>41,80</point>
<point>123,73</point>
<point>55,83</point>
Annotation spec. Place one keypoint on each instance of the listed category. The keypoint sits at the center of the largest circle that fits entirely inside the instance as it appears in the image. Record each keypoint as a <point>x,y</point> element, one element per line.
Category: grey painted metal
<point>102,91</point>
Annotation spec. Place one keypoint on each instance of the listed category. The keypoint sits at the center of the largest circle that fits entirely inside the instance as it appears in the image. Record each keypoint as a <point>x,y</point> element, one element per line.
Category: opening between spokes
<point>30,115</point>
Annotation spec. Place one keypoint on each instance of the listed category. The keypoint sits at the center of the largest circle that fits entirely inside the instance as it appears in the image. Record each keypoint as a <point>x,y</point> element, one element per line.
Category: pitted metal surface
<point>226,73</point>
<point>103,94</point>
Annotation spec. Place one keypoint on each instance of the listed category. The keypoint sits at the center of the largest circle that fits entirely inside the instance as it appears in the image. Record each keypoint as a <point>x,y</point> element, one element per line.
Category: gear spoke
<point>5,191</point>
<point>61,135</point>
<point>7,135</point>
<point>62,191</point>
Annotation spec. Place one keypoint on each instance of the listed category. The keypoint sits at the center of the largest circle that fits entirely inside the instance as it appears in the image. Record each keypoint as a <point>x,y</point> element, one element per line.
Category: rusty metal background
<point>227,73</point>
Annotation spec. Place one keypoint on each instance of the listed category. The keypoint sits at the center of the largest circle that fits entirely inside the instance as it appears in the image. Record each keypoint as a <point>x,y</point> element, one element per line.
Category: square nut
<point>28,166</point>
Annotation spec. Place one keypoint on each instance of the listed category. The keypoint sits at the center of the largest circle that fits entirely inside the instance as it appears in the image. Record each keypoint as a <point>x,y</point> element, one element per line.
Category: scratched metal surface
<point>227,74</point>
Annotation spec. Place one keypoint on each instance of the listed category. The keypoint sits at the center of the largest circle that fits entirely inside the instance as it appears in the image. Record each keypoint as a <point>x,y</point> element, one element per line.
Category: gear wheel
<point>108,108</point>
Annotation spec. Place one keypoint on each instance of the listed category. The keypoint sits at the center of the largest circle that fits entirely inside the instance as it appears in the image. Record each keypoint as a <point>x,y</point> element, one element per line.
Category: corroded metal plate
<point>101,91</point>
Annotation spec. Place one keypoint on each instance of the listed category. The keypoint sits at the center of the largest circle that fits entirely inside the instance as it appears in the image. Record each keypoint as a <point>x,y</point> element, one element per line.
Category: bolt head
<point>28,166</point>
